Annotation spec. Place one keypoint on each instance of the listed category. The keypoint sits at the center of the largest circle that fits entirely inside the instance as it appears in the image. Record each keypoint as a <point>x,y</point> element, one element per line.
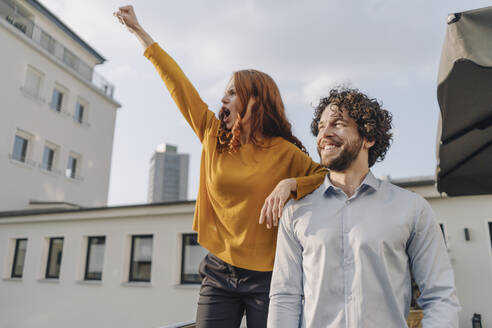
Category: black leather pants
<point>227,292</point>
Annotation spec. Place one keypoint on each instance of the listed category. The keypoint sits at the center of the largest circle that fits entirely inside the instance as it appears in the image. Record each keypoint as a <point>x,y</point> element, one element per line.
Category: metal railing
<point>10,14</point>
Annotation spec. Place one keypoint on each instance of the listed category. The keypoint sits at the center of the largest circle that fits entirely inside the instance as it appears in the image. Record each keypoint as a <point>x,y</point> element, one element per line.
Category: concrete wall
<point>471,260</point>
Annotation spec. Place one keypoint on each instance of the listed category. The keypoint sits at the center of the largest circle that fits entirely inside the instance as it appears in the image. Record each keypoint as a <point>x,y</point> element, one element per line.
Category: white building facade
<point>168,175</point>
<point>57,114</point>
<point>137,266</point>
<point>129,277</point>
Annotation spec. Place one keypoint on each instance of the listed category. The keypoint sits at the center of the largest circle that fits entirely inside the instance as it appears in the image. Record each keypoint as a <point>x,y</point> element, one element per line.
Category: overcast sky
<point>388,49</point>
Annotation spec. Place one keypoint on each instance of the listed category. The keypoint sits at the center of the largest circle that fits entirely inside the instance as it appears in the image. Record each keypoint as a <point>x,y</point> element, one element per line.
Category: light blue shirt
<point>347,262</point>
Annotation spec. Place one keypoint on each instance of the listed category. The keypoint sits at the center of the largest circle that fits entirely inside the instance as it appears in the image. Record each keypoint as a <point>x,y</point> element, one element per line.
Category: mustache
<point>330,140</point>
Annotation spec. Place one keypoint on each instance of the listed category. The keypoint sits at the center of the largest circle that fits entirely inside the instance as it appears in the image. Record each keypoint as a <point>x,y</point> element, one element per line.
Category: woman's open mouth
<point>224,114</point>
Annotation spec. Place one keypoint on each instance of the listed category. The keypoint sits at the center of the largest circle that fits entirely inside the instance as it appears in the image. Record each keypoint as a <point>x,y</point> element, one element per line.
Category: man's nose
<point>325,131</point>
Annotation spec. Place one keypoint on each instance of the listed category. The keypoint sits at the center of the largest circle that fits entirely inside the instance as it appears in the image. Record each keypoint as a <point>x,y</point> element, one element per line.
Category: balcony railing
<point>10,14</point>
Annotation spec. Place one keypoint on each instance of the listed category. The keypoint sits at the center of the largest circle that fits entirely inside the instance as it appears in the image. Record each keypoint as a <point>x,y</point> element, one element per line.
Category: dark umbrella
<point>464,94</point>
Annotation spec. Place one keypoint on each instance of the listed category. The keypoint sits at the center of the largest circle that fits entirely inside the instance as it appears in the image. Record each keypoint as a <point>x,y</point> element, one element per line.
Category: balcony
<point>23,22</point>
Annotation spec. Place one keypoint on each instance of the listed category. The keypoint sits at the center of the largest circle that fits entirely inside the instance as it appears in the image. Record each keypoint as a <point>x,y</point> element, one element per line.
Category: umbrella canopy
<point>464,94</point>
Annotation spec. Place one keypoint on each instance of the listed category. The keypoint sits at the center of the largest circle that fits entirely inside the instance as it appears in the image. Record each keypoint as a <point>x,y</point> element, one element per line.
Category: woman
<point>248,152</point>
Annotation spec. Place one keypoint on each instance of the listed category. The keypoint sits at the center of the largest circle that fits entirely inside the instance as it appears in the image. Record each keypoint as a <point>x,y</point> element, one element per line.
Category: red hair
<point>267,113</point>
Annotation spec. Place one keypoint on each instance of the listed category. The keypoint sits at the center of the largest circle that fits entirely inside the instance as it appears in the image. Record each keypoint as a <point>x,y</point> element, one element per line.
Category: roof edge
<point>414,182</point>
<point>43,10</point>
<point>87,209</point>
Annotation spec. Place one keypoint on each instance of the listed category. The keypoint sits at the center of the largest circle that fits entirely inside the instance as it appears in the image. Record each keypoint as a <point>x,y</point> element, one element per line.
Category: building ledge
<point>35,204</point>
<point>12,279</point>
<point>144,284</point>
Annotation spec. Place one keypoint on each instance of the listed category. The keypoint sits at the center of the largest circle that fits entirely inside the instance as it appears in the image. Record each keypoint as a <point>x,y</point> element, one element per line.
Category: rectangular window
<point>54,258</point>
<point>32,84</point>
<point>70,59</point>
<point>79,112</point>
<point>441,225</point>
<point>191,256</point>
<point>490,233</point>
<point>71,170</point>
<point>48,156</point>
<point>20,149</point>
<point>95,258</point>
<point>19,257</point>
<point>141,258</point>
<point>47,42</point>
<point>57,100</point>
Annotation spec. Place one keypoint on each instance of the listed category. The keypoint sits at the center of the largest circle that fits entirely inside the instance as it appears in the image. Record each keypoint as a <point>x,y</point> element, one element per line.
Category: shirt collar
<point>370,181</point>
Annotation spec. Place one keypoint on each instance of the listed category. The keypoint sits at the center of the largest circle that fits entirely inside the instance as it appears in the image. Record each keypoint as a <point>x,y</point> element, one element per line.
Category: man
<point>346,253</point>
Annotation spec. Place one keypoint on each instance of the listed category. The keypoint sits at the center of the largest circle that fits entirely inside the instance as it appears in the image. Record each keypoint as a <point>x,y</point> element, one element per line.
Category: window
<point>70,59</point>
<point>141,258</point>
<point>19,257</point>
<point>191,256</point>
<point>57,100</point>
<point>47,42</point>
<point>20,148</point>
<point>48,157</point>
<point>79,112</point>
<point>54,258</point>
<point>32,84</point>
<point>95,258</point>
<point>71,171</point>
<point>441,225</point>
<point>490,233</point>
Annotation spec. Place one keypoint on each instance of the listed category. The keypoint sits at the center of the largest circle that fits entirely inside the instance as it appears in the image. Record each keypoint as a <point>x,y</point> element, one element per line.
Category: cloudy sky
<point>388,49</point>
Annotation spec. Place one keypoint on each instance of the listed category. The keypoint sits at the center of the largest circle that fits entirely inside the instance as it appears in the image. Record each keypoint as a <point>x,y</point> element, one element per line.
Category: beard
<point>349,153</point>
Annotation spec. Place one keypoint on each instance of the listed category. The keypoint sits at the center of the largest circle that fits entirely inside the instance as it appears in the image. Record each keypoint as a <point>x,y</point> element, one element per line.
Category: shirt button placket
<point>346,247</point>
<point>347,268</point>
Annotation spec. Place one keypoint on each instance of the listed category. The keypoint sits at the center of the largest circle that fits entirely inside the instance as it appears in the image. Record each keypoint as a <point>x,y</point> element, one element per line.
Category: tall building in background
<point>57,114</point>
<point>168,175</point>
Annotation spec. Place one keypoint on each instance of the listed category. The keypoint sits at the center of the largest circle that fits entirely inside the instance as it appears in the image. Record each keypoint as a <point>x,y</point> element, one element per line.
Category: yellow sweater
<point>233,187</point>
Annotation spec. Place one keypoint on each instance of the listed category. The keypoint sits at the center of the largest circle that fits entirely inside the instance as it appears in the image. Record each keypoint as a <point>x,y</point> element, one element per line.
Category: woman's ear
<point>251,102</point>
<point>249,108</point>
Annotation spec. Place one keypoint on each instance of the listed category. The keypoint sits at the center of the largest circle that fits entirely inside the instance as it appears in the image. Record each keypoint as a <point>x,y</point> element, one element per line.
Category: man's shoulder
<point>401,194</point>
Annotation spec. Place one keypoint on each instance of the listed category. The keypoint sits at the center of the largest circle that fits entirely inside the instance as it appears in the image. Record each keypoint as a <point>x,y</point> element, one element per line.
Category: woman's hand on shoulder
<point>274,203</point>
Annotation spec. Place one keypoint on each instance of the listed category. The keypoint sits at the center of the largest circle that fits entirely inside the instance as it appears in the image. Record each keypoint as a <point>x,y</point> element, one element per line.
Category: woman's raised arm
<point>184,94</point>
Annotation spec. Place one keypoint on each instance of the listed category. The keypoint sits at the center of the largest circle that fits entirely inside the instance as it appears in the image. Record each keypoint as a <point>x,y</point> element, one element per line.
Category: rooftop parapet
<point>23,23</point>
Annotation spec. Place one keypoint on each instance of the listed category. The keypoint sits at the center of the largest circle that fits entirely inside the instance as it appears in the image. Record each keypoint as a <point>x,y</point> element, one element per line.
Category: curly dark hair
<point>373,122</point>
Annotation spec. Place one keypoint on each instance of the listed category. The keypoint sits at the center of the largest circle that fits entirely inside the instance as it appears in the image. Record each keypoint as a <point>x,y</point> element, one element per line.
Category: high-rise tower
<point>168,175</point>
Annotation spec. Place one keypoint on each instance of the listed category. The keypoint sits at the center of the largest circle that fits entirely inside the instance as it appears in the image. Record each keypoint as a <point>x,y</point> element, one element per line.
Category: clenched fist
<point>126,16</point>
